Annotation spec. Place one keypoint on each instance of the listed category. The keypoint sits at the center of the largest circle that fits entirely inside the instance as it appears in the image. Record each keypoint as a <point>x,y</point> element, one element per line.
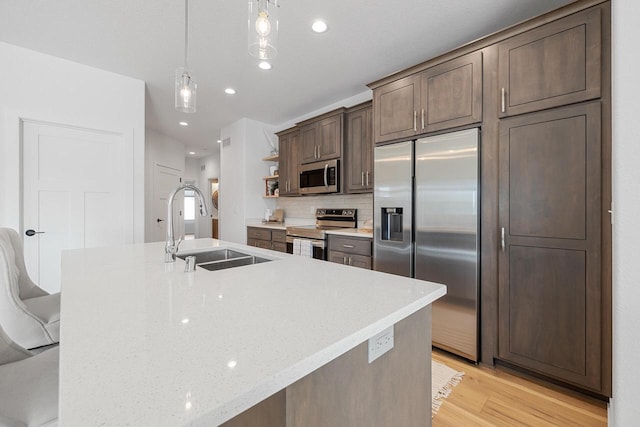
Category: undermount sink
<point>219,259</point>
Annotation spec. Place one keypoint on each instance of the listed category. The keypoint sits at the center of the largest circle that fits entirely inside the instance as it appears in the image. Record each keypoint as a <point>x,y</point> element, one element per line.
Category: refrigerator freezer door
<point>446,221</point>
<point>392,208</point>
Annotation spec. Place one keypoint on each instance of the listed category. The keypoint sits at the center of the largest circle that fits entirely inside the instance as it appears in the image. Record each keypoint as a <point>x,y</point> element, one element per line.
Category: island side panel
<point>393,390</point>
<point>268,413</point>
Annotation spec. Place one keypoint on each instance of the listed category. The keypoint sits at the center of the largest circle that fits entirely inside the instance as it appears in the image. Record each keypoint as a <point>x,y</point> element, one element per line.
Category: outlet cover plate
<point>380,344</point>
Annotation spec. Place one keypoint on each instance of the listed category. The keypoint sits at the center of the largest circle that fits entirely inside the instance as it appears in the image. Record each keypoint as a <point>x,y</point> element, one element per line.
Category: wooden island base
<point>393,390</point>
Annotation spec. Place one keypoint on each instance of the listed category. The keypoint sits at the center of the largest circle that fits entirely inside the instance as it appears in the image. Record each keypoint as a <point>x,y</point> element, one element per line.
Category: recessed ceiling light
<point>264,65</point>
<point>319,26</point>
<point>184,124</point>
<point>219,141</point>
<point>192,152</point>
<point>230,91</point>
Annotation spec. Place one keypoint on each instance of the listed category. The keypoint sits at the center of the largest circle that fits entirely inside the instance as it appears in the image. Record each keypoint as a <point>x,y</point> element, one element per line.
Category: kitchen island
<point>144,343</point>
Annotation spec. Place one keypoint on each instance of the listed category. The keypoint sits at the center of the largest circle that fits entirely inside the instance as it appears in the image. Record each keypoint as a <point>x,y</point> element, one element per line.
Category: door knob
<point>159,220</point>
<point>31,232</point>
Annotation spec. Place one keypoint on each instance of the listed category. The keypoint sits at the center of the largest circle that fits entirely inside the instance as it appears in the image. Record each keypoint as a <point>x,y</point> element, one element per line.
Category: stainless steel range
<point>326,219</point>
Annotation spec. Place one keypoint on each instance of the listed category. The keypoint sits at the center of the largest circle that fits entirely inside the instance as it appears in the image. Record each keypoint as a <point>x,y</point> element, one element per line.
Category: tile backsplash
<point>304,207</point>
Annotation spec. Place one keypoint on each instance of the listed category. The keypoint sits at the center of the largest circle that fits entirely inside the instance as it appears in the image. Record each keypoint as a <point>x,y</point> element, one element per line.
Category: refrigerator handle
<point>502,238</point>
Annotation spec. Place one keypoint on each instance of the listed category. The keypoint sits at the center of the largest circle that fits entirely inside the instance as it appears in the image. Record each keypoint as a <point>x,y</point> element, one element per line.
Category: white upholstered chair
<point>28,385</point>
<point>28,314</point>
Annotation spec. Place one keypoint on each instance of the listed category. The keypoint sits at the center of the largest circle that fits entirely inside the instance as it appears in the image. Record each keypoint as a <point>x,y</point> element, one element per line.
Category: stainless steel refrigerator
<point>426,226</point>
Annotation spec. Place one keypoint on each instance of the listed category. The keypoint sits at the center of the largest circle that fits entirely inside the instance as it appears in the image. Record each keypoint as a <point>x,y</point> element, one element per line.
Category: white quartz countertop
<point>352,232</point>
<point>144,343</point>
<point>270,225</point>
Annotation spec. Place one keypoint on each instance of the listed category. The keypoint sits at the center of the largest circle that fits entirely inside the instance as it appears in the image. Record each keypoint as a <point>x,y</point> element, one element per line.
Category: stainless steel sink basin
<point>219,259</point>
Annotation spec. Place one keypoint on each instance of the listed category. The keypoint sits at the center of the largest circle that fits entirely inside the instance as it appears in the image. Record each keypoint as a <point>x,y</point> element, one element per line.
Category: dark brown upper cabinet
<point>396,107</point>
<point>550,285</point>
<point>321,137</point>
<point>556,64</point>
<point>358,163</point>
<point>288,167</point>
<point>452,94</point>
<point>445,96</point>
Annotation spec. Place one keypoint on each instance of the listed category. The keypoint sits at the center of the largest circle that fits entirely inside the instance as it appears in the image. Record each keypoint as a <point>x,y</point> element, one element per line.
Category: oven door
<point>320,177</point>
<point>319,247</point>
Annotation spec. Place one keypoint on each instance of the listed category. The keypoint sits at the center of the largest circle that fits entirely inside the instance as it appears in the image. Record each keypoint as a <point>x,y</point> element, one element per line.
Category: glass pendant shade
<point>263,28</point>
<point>185,91</point>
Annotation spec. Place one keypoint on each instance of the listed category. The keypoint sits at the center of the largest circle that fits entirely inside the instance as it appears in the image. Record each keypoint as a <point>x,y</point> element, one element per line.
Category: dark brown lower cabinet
<point>550,286</point>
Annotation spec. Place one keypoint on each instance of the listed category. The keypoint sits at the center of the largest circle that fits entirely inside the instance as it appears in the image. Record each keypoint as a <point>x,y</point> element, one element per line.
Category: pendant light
<point>263,28</point>
<point>185,85</point>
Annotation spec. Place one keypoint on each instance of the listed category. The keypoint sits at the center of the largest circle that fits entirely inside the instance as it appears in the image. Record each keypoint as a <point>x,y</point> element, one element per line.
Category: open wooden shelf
<point>273,158</point>
<point>272,177</point>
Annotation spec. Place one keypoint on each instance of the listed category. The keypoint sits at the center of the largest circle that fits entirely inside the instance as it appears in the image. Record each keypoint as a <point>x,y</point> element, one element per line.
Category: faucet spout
<point>171,247</point>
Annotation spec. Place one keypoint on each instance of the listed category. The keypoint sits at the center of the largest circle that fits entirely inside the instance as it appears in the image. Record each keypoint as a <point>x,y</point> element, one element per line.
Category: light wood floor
<point>488,397</point>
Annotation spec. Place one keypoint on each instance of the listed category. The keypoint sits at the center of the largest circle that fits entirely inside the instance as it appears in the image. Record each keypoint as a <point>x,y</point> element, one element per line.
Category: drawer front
<point>258,233</point>
<point>279,236</point>
<point>351,245</point>
<point>264,244</point>
<point>280,247</point>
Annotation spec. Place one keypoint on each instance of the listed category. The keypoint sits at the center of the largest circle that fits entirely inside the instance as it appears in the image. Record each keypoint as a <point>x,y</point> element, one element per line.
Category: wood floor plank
<point>501,397</point>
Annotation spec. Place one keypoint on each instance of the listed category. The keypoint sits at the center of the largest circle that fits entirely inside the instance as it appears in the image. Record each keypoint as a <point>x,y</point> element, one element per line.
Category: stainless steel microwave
<point>320,177</point>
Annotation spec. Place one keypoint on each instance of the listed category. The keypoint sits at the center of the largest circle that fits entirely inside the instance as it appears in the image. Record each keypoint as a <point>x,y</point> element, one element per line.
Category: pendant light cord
<point>186,32</point>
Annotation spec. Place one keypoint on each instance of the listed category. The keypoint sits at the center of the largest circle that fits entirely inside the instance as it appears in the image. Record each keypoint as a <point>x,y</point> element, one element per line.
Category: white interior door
<point>74,194</point>
<point>165,180</point>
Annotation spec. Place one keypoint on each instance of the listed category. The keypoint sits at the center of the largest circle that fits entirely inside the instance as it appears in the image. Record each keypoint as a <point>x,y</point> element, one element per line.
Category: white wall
<point>45,88</point>
<point>163,150</point>
<point>624,407</point>
<point>241,172</point>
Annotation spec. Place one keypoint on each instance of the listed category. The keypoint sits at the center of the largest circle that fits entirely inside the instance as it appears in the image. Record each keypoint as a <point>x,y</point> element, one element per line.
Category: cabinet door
<point>330,138</point>
<point>396,107</point>
<point>294,164</point>
<point>309,143</point>
<point>553,65</point>
<point>452,94</point>
<point>550,285</point>
<point>359,152</point>
<point>288,183</point>
<point>337,257</point>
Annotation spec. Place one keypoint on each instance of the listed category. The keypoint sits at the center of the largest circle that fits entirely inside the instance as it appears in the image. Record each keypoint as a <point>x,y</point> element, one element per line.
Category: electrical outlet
<point>380,344</point>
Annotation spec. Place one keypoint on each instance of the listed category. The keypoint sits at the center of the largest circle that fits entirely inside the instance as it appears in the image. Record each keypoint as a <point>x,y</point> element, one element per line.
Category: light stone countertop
<point>353,232</point>
<point>144,343</point>
<point>272,226</point>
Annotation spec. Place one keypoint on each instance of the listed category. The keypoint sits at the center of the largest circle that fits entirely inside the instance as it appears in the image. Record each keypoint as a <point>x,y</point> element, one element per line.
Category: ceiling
<point>366,40</point>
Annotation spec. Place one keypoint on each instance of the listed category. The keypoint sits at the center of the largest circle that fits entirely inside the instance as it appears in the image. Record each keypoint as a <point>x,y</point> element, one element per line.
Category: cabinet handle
<point>315,152</point>
<point>349,260</point>
<point>415,119</point>
<point>348,246</point>
<point>502,100</point>
<point>362,179</point>
<point>344,260</point>
<point>319,155</point>
<point>502,239</point>
<point>367,178</point>
<point>423,119</point>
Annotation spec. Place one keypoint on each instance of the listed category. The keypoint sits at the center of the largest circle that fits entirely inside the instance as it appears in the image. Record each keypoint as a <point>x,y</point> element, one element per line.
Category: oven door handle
<point>326,175</point>
<point>314,242</point>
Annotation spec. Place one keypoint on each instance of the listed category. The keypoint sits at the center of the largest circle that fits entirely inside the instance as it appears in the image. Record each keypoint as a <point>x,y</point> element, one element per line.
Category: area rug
<point>443,379</point>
